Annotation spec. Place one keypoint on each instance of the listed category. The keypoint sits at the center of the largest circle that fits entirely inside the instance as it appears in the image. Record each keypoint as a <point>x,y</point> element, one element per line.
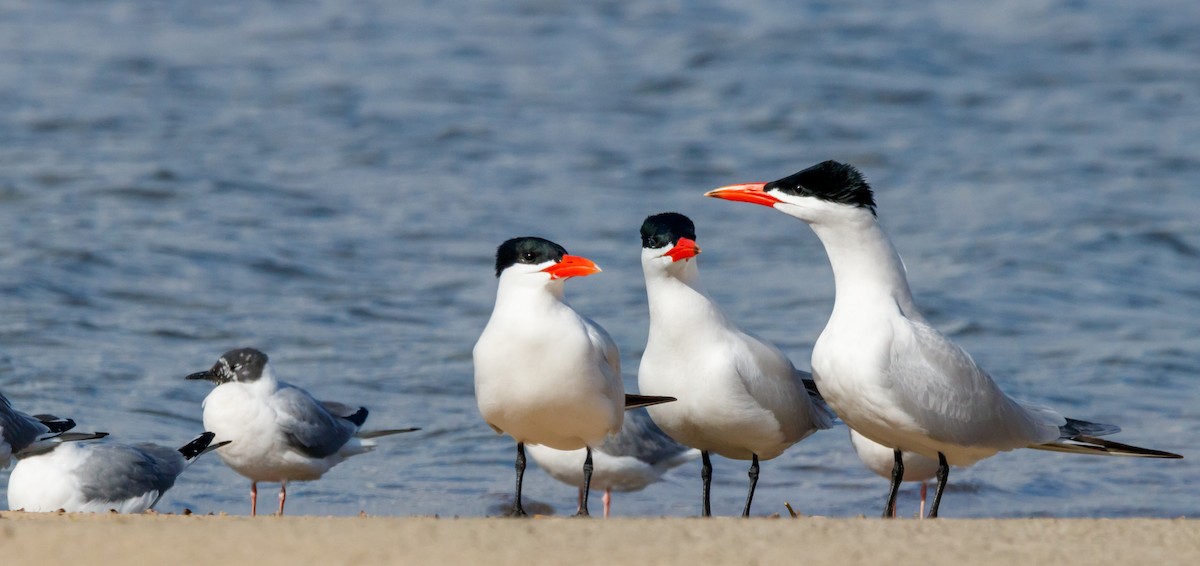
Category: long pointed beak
<point>572,266</point>
<point>683,249</point>
<point>748,192</point>
<point>206,375</point>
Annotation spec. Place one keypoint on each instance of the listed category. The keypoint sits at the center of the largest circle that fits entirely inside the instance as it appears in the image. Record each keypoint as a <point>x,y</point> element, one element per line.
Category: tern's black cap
<point>527,249</point>
<point>830,181</point>
<point>666,228</point>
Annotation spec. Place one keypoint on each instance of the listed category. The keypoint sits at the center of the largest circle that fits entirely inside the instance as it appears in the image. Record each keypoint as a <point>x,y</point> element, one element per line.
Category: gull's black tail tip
<point>633,401</point>
<point>198,445</point>
<point>55,424</point>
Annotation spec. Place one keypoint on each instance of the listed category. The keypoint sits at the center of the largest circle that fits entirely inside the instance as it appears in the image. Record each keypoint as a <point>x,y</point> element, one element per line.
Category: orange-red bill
<point>683,249</point>
<point>748,192</point>
<point>572,266</point>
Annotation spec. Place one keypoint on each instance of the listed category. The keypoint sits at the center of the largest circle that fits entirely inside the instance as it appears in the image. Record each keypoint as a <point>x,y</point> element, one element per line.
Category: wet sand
<point>101,540</point>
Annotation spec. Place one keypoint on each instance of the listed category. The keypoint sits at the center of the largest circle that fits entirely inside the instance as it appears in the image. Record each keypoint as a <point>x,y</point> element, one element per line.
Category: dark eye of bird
<point>527,256</point>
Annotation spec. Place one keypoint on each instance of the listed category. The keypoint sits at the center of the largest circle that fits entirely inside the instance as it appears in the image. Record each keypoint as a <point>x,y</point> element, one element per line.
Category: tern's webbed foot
<point>516,511</point>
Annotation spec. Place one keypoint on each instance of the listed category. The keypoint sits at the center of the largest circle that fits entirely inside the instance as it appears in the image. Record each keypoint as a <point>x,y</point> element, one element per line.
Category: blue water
<point>328,181</point>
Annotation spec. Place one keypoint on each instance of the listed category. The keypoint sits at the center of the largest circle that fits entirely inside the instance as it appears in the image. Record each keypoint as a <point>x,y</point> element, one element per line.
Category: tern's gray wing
<point>642,439</point>
<point>948,395</point>
<point>308,424</point>
<point>117,472</point>
<point>18,429</point>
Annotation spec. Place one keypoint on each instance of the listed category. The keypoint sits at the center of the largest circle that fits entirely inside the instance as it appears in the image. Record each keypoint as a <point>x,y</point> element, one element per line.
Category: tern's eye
<point>527,256</point>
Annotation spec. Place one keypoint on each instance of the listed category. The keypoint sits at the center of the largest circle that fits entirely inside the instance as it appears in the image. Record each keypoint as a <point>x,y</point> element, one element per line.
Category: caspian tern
<point>632,459</point>
<point>738,395</point>
<point>544,374</point>
<point>22,435</point>
<point>279,432</point>
<point>96,478</point>
<point>888,373</point>
<point>882,460</point>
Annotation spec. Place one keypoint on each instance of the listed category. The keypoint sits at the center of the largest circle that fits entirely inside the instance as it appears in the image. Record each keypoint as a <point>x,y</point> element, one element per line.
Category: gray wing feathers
<point>18,429</point>
<point>642,439</point>
<point>115,472</point>
<point>777,385</point>
<point>308,424</point>
<point>956,401</point>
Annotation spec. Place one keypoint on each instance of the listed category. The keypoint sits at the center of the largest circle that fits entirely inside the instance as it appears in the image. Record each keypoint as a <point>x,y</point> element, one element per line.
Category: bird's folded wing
<point>308,426</point>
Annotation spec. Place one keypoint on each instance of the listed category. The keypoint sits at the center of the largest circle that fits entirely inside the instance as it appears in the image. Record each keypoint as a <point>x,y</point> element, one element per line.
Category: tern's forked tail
<point>1084,444</point>
<point>633,401</point>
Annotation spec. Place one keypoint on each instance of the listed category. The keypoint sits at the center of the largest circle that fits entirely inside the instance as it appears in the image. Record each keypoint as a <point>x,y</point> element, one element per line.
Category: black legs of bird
<point>943,473</point>
<point>517,509</point>
<point>889,511</point>
<point>706,477</point>
<point>753,482</point>
<point>587,484</point>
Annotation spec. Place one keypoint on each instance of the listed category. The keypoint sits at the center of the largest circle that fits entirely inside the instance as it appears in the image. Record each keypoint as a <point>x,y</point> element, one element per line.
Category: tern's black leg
<point>587,483</point>
<point>753,482</point>
<point>943,473</point>
<point>889,512</point>
<point>517,509</point>
<point>706,475</point>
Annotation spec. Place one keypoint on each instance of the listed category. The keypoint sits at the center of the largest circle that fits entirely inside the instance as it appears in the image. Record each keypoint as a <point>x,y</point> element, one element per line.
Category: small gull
<point>280,433</point>
<point>95,478</point>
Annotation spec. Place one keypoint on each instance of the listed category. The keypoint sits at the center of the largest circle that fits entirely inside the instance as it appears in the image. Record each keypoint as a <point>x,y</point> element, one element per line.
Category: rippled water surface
<point>328,181</point>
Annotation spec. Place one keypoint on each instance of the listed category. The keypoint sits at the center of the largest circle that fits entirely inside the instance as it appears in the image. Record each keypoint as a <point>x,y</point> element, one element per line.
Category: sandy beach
<point>169,539</point>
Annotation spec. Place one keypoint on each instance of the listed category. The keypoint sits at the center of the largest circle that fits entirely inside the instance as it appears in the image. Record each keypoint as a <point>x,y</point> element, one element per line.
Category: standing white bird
<point>888,373</point>
<point>632,459</point>
<point>96,478</point>
<point>739,395</point>
<point>544,374</point>
<point>882,460</point>
<point>23,435</point>
<point>280,433</point>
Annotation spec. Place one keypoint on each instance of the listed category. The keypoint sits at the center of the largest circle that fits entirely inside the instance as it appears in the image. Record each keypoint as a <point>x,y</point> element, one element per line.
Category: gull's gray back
<point>308,424</point>
<point>116,472</point>
<point>642,439</point>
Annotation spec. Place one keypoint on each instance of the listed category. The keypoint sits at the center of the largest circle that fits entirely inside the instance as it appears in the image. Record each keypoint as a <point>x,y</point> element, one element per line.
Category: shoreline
<point>103,539</point>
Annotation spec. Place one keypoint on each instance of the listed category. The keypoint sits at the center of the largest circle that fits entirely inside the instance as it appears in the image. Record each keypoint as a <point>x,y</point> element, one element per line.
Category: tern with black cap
<point>738,395</point>
<point>887,372</point>
<point>545,374</point>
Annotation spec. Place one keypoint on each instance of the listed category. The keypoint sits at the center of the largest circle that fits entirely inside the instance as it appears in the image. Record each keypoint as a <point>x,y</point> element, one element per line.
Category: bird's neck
<point>679,300</point>
<point>867,269</point>
<point>520,300</point>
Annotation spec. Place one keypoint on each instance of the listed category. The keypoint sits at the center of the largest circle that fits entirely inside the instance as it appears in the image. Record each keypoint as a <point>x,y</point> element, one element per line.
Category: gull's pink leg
<point>607,500</point>
<point>924,487</point>
<point>282,496</point>
<point>579,502</point>
<point>253,498</point>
